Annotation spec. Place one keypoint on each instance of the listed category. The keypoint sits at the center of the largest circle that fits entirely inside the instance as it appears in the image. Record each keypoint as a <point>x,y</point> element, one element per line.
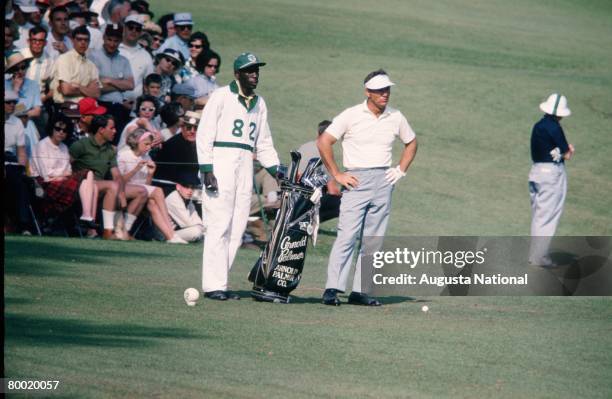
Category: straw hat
<point>556,105</point>
<point>14,60</point>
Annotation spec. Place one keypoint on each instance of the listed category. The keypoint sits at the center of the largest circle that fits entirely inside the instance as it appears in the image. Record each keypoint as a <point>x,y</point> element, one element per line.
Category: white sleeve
<point>266,154</point>
<point>123,162</point>
<point>406,133</point>
<point>339,125</point>
<point>207,131</point>
<point>37,167</point>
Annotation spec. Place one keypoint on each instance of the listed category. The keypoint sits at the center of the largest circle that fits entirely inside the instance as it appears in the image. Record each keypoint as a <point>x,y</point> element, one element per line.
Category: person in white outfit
<point>187,223</point>
<point>137,168</point>
<point>233,125</point>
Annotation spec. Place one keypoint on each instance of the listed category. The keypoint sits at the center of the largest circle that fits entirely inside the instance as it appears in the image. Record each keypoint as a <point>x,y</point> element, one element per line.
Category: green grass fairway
<point>108,320</point>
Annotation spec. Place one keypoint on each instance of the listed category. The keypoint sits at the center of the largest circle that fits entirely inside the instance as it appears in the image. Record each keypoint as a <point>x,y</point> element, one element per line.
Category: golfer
<point>368,131</point>
<point>547,178</point>
<point>234,124</point>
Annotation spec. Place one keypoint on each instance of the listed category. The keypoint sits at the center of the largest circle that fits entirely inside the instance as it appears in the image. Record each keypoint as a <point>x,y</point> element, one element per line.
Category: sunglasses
<point>173,62</point>
<point>198,46</point>
<point>183,27</point>
<point>145,109</point>
<point>22,67</point>
<point>60,129</point>
<point>190,127</point>
<point>212,66</point>
<point>134,27</point>
<point>10,102</point>
<point>158,39</point>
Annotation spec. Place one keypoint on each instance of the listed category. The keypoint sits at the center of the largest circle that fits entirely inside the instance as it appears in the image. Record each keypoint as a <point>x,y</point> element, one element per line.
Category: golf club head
<point>296,156</point>
<point>312,165</point>
<point>318,178</point>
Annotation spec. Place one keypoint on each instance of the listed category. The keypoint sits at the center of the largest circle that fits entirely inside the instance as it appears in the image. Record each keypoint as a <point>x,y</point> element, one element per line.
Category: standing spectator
<point>186,221</point>
<point>137,169</point>
<point>82,18</point>
<point>41,72</point>
<point>234,119</point>
<point>368,131</point>
<point>28,92</point>
<point>27,16</point>
<point>51,165</point>
<point>15,159</point>
<point>198,43</point>
<point>115,75</point>
<point>171,115</point>
<point>156,35</point>
<point>166,23</point>
<point>75,76</point>
<point>166,64</point>
<point>97,154</point>
<point>11,34</point>
<point>140,60</point>
<point>548,178</point>
<point>183,24</point>
<point>115,11</point>
<point>205,81</point>
<point>146,108</point>
<point>58,42</point>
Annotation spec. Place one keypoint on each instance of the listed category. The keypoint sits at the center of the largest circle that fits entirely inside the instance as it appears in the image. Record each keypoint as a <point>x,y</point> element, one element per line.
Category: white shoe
<point>176,240</point>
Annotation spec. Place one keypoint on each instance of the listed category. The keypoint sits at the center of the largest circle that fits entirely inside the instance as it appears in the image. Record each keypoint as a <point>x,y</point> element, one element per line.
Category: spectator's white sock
<point>108,219</point>
<point>88,219</point>
<point>129,221</point>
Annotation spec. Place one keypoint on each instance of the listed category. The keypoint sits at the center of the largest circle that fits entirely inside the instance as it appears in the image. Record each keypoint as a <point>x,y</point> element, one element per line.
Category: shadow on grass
<point>34,257</point>
<point>41,331</point>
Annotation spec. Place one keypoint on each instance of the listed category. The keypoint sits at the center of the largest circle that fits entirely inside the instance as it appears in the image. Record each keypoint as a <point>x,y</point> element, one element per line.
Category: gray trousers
<point>547,189</point>
<point>364,211</point>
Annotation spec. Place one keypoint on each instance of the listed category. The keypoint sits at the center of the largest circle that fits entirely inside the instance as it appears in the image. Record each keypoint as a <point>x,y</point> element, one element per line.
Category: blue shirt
<point>29,94</point>
<point>547,135</point>
<point>178,44</point>
<point>113,66</point>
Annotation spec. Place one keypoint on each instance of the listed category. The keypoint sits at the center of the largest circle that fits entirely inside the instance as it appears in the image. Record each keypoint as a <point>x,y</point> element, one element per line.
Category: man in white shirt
<point>140,60</point>
<point>368,131</point>
<point>58,42</point>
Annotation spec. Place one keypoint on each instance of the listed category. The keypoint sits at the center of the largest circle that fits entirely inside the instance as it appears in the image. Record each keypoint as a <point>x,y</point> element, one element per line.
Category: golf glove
<point>392,175</point>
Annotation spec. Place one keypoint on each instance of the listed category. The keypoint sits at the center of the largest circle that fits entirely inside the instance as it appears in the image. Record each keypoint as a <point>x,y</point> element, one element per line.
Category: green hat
<point>246,60</point>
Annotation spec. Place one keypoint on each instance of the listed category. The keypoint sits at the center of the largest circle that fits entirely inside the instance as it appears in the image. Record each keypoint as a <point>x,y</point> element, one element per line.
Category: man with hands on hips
<point>234,124</point>
<point>368,131</point>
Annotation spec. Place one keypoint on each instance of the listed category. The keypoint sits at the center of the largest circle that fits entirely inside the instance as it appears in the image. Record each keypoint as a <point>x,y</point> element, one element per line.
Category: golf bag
<point>278,270</point>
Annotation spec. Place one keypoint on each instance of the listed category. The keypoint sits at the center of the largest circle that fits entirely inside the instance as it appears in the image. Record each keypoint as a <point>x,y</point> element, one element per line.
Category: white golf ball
<point>191,296</point>
<point>425,308</point>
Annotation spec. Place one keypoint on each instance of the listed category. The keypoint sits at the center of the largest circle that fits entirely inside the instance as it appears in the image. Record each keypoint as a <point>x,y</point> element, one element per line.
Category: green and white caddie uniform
<point>231,128</point>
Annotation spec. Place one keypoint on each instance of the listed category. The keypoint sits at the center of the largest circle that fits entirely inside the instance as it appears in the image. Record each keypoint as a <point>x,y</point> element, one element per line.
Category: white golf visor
<point>379,82</point>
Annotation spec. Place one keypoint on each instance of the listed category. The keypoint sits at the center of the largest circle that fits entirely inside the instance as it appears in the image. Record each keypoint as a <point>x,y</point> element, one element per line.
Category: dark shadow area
<point>16,301</point>
<point>32,257</point>
<point>42,331</point>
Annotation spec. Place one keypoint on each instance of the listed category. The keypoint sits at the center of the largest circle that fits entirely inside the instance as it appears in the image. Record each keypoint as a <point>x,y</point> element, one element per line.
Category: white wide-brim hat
<point>556,105</point>
<point>379,82</point>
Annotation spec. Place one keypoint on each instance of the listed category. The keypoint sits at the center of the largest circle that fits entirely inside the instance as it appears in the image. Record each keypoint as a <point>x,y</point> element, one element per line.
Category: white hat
<point>183,18</point>
<point>379,82</point>
<point>135,18</point>
<point>556,105</point>
<point>27,6</point>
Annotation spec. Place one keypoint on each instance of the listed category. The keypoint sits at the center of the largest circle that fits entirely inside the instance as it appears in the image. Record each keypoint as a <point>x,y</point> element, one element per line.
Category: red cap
<point>89,106</point>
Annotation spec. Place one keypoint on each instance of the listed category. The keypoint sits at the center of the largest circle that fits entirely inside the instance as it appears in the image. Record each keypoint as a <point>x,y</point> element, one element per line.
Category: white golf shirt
<point>367,140</point>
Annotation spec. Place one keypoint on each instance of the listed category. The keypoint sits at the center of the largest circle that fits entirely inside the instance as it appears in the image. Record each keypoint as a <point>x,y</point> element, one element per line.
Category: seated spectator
<point>58,41</point>
<point>178,155</point>
<point>183,25</point>
<point>330,201</point>
<point>140,60</point>
<point>171,115</point>
<point>146,107</point>
<point>205,82</point>
<point>75,76</point>
<point>184,94</point>
<point>15,159</point>
<point>186,221</point>
<point>51,166</point>
<point>115,75</point>
<point>198,42</point>
<point>166,23</point>
<point>97,154</point>
<point>137,168</point>
<point>152,87</point>
<point>28,92</point>
<point>166,64</point>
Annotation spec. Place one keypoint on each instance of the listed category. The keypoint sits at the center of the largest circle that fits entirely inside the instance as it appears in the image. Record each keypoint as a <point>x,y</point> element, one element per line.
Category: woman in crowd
<point>137,167</point>
<point>50,165</point>
<point>166,23</point>
<point>198,43</point>
<point>171,115</point>
<point>146,108</point>
<point>205,82</point>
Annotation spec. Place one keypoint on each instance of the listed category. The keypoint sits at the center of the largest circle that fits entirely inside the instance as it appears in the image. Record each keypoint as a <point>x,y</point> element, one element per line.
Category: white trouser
<point>547,190</point>
<point>186,221</point>
<point>226,214</point>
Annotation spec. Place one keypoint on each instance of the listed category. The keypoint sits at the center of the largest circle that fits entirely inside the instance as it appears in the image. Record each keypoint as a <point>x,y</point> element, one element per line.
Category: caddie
<point>368,131</point>
<point>234,124</point>
<point>547,178</point>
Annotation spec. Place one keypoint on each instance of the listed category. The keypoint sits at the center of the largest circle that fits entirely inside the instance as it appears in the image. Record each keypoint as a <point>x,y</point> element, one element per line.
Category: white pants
<point>226,213</point>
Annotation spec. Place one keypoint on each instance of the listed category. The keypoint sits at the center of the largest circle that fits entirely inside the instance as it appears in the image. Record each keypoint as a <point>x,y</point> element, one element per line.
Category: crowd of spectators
<point>101,106</point>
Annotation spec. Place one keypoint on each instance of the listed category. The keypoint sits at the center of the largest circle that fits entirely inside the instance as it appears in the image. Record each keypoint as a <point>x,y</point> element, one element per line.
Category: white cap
<point>556,105</point>
<point>379,82</point>
<point>135,18</point>
<point>183,18</point>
